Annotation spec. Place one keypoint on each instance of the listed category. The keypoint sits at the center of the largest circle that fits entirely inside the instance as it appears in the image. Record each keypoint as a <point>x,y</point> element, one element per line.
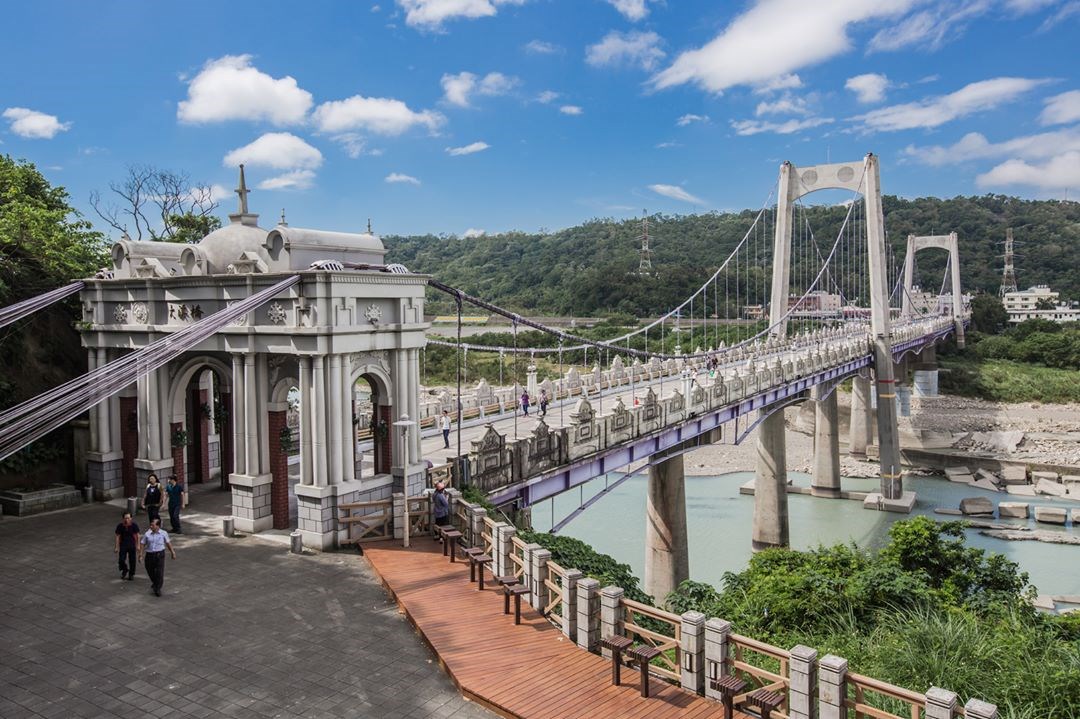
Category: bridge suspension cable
<point>29,421</point>
<point>15,312</point>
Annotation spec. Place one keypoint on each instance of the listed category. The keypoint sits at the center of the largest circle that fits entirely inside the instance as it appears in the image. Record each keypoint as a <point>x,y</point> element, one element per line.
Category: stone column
<point>770,485</point>
<point>337,466</point>
<point>477,515</point>
<point>307,418</point>
<point>228,451</point>
<point>667,556</point>
<point>940,703</point>
<point>104,412</point>
<point>803,676</point>
<point>348,429</point>
<point>95,413</point>
<point>611,614</point>
<point>832,687</point>
<point>527,569</point>
<point>692,647</point>
<point>588,614</point>
<point>251,418</point>
<point>261,390</point>
<point>539,590</point>
<point>826,479</point>
<point>318,410</point>
<point>903,389</point>
<point>716,653</point>
<point>859,428</point>
<point>569,603</point>
<point>238,409</point>
<point>504,547</point>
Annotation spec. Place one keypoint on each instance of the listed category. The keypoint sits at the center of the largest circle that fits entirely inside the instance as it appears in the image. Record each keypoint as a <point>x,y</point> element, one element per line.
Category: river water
<point>719,521</point>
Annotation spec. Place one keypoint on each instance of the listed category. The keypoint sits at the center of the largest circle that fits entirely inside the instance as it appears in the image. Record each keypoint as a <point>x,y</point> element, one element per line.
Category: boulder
<point>1039,476</point>
<point>1014,474</point>
<point>1075,515</point>
<point>976,505</point>
<point>1050,488</point>
<point>1050,515</point>
<point>987,475</point>
<point>985,484</point>
<point>951,472</point>
<point>1013,510</point>
<point>1021,490</point>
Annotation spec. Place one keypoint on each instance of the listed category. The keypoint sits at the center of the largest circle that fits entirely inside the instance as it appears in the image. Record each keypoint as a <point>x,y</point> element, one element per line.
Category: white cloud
<point>230,88</point>
<point>571,110</point>
<point>295,180</point>
<point>868,88</point>
<point>473,232</point>
<point>788,104</point>
<point>457,88</point>
<point>542,47</point>
<point>756,127</point>
<point>356,145</point>
<point>399,178</point>
<point>635,49</point>
<point>936,111</point>
<point>381,115</point>
<point>547,96</point>
<point>676,193</point>
<point>469,149</point>
<point>690,118</point>
<point>772,39</point>
<point>632,10</point>
<point>942,21</point>
<point>1066,11</point>
<point>375,8</point>
<point>431,14</point>
<point>790,81</point>
<point>219,193</point>
<point>1061,109</point>
<point>34,125</point>
<point>974,146</point>
<point>1061,172</point>
<point>279,150</point>
<point>667,145</point>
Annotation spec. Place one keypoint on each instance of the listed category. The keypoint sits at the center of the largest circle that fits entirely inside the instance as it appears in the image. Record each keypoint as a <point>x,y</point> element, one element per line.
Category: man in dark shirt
<point>127,540</point>
<point>175,492</point>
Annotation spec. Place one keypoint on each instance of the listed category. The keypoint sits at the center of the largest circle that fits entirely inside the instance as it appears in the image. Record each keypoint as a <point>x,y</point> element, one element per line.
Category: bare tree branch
<point>149,191</point>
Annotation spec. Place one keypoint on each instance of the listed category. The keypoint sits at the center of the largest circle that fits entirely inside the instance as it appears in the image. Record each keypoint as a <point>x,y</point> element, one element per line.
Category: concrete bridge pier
<point>861,425</point>
<point>826,478</point>
<point>903,388</point>
<point>667,554</point>
<point>925,375</point>
<point>770,485</point>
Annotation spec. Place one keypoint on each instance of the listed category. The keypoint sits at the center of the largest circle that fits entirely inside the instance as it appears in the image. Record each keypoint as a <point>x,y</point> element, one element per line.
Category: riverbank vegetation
<point>924,610</point>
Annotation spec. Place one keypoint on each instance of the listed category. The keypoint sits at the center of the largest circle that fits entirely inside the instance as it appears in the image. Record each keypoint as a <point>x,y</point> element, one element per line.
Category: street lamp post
<point>405,423</point>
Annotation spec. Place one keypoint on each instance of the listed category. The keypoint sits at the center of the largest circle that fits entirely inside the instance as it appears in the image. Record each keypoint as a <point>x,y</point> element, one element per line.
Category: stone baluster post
<point>940,703</point>
<point>504,547</point>
<point>398,499</point>
<point>611,614</point>
<point>978,709</point>
<point>453,497</point>
<point>803,678</point>
<point>569,603</point>
<point>716,653</point>
<point>692,646</point>
<point>477,515</point>
<point>588,614</point>
<point>538,590</point>
<point>832,687</point>
<point>527,569</point>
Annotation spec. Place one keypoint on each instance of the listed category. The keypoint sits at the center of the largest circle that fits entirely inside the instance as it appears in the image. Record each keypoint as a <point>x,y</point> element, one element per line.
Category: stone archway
<point>381,418</point>
<point>200,404</point>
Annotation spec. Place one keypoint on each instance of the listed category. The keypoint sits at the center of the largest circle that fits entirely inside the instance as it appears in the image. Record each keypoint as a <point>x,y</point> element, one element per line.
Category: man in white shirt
<point>446,428</point>
<point>152,547</point>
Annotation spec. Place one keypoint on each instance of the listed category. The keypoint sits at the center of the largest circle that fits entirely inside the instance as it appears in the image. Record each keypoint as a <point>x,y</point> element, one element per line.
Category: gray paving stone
<point>243,630</point>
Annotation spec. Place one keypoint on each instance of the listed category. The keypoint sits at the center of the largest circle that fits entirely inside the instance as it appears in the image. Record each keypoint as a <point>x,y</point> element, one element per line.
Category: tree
<point>1044,303</point>
<point>159,204</point>
<point>988,315</point>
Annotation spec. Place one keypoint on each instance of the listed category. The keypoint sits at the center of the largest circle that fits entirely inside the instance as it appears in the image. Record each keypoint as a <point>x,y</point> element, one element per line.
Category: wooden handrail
<point>653,612</point>
<point>759,647</point>
<point>861,684</point>
<point>362,505</point>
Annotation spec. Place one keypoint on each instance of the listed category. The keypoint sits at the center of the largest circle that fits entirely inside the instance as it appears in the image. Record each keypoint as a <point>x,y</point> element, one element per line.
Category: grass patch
<point>1007,381</point>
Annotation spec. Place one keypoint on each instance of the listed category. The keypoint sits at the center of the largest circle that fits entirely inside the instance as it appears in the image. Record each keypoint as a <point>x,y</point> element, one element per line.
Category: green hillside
<point>589,269</point>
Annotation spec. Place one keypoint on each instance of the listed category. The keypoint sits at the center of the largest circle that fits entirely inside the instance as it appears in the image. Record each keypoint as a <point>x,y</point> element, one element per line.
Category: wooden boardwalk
<point>524,671</point>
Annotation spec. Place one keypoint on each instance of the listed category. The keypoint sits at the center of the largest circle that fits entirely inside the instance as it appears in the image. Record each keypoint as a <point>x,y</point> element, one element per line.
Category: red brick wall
<point>226,440</point>
<point>384,458</point>
<point>129,443</point>
<point>177,455</point>
<point>279,470</point>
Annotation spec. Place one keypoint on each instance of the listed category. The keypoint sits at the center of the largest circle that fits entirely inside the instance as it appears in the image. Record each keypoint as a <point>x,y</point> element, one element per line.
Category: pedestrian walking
<point>446,428</point>
<point>177,499</point>
<point>151,501</point>
<point>441,502</point>
<point>153,546</point>
<point>525,402</point>
<point>127,541</point>
<point>543,403</point>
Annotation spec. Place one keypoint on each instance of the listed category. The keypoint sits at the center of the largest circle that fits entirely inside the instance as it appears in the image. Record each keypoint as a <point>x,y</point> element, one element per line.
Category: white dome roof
<point>227,244</point>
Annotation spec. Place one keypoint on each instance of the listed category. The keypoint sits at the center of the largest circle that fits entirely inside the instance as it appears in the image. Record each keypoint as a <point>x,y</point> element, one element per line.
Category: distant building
<point>753,312</point>
<point>1023,305</point>
<point>816,304</point>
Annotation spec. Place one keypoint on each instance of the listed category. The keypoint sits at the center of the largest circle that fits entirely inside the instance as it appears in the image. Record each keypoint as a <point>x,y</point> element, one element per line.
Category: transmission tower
<point>645,263</point>
<point>1008,275</point>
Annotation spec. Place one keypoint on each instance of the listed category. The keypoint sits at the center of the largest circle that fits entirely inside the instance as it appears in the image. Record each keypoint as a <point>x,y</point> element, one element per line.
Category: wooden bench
<point>766,701</point>
<point>643,655</point>
<point>450,537</point>
<point>506,580</point>
<point>617,644</point>
<point>728,685</point>
<point>477,562</point>
<point>515,591</point>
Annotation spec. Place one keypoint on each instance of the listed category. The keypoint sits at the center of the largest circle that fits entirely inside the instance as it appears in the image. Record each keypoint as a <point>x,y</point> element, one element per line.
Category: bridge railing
<point>554,576</point>
<point>892,702</point>
<point>517,557</point>
<point>659,629</point>
<point>763,666</point>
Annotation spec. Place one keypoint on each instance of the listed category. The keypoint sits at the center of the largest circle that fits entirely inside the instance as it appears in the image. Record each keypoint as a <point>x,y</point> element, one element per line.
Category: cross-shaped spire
<point>242,191</point>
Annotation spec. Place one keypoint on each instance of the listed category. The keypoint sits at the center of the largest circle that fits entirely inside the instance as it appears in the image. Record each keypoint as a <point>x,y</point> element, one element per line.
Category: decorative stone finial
<point>242,191</point>
<point>369,225</point>
<point>282,221</point>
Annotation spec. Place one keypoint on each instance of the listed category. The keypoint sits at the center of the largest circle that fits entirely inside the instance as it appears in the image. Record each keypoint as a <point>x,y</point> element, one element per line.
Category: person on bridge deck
<point>445,424</point>
<point>153,546</point>
<point>543,403</point>
<point>127,541</point>
<point>151,501</point>
<point>176,494</point>
<point>525,403</point>
<point>441,502</point>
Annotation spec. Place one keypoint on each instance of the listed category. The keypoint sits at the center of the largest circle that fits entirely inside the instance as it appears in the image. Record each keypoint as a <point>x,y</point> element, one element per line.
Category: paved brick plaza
<point>243,630</point>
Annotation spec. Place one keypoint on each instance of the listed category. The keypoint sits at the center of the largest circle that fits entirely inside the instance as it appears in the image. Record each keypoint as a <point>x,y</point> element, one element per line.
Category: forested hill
<point>589,269</point>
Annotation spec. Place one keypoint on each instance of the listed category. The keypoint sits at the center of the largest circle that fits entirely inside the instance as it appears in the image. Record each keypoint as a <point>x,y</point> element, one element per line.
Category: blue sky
<point>490,115</point>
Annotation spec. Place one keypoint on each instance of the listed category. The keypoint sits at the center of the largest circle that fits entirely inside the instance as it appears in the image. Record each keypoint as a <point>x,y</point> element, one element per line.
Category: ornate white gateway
<point>223,405</point>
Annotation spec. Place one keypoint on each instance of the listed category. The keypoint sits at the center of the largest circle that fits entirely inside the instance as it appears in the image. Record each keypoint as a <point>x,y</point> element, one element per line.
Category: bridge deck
<point>523,671</point>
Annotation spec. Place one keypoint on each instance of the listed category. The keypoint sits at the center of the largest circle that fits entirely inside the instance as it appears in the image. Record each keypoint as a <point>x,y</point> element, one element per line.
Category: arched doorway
<point>200,425</point>
<point>285,415</point>
<point>373,411</point>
